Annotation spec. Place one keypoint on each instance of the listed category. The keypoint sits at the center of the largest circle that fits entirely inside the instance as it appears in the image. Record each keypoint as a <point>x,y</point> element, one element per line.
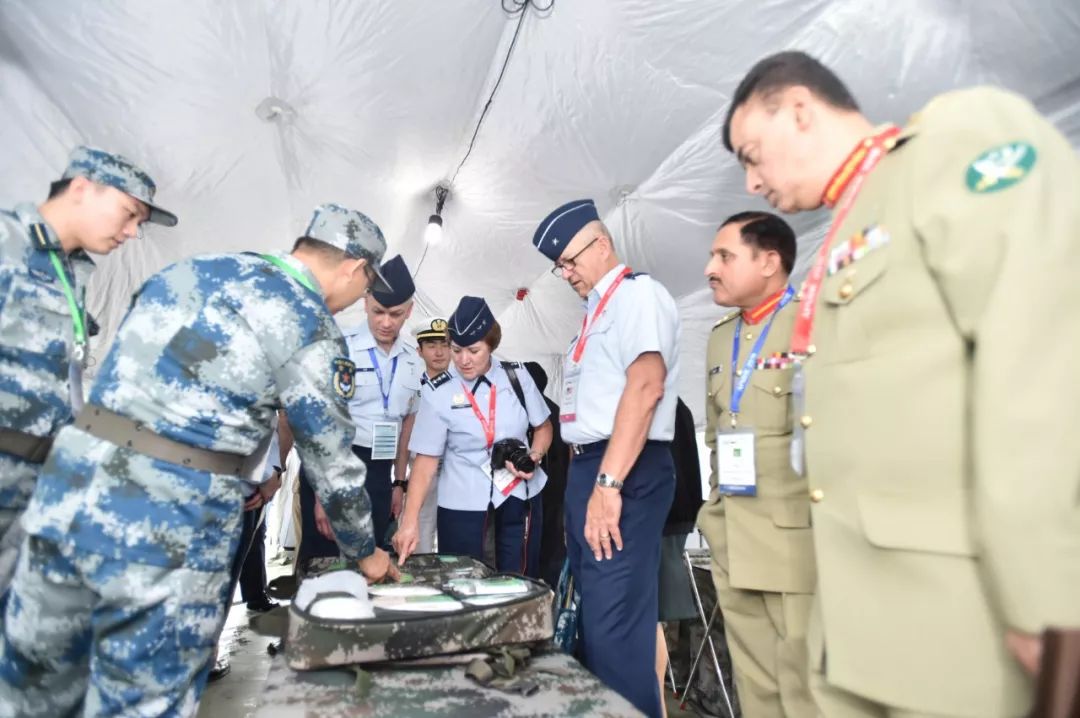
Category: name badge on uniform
<point>568,399</point>
<point>384,440</point>
<point>798,435</point>
<point>735,463</point>
<point>75,386</point>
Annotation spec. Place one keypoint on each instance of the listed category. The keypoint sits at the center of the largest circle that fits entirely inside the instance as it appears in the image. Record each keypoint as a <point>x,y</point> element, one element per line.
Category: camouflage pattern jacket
<point>211,347</point>
<point>36,340</point>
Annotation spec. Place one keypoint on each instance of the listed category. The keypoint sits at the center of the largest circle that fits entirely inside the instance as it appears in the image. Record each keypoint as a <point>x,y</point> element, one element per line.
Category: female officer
<point>468,412</point>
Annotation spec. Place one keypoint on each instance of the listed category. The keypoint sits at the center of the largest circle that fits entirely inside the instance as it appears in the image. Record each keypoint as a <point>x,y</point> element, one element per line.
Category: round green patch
<point>1000,167</point>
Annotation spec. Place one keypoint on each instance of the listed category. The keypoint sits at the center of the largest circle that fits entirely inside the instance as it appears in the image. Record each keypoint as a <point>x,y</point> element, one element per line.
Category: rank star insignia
<point>1000,167</point>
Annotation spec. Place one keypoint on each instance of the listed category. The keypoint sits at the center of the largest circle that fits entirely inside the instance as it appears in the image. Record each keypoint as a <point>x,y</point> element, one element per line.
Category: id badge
<point>735,468</point>
<point>75,384</point>
<point>504,480</point>
<point>384,440</point>
<point>568,399</point>
<point>798,434</point>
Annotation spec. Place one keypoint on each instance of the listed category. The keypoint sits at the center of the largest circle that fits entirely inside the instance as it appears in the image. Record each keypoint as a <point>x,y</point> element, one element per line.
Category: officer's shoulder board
<point>511,365</point>
<point>635,275</point>
<point>726,318</point>
<point>439,380</point>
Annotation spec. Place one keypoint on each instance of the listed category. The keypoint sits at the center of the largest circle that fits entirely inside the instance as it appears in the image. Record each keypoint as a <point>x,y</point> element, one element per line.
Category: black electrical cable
<point>522,6</point>
<point>511,7</point>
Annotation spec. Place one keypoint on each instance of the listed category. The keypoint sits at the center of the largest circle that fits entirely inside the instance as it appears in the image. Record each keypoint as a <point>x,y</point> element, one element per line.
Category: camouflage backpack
<point>466,617</point>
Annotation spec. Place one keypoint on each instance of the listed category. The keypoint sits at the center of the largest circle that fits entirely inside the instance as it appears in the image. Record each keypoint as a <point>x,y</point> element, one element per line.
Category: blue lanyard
<point>742,380</point>
<point>378,374</point>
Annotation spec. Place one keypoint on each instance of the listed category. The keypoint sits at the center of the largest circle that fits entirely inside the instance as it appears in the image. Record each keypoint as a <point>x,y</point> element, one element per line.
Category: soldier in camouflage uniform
<point>119,593</point>
<point>98,204</point>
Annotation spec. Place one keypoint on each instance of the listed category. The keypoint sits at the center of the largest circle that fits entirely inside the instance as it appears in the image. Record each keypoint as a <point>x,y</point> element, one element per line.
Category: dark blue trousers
<point>619,599</point>
<point>377,484</point>
<point>517,534</point>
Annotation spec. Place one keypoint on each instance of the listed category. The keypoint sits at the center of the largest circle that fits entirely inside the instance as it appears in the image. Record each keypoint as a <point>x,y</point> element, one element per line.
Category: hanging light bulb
<point>434,231</point>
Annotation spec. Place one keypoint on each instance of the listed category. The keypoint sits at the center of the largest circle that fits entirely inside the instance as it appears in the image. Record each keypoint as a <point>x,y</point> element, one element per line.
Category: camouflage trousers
<point>88,634</point>
<point>17,478</point>
<point>11,537</point>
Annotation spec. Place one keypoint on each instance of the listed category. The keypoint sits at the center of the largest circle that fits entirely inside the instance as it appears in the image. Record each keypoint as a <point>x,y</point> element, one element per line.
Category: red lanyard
<point>580,348</point>
<point>489,423</point>
<point>864,157</point>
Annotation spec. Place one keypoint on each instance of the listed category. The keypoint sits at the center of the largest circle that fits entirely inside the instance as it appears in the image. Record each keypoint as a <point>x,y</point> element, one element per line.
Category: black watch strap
<point>403,484</point>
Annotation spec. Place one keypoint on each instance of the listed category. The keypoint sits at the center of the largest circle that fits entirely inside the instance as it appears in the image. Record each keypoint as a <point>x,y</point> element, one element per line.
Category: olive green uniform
<point>941,411</point>
<point>762,549</point>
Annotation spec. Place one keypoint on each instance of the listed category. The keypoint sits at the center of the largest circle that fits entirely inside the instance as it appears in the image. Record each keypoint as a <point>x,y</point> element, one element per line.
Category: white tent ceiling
<point>619,100</point>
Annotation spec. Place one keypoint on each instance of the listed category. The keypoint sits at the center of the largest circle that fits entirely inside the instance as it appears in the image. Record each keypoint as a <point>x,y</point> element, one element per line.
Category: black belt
<point>26,446</point>
<point>134,435</point>
<point>580,449</point>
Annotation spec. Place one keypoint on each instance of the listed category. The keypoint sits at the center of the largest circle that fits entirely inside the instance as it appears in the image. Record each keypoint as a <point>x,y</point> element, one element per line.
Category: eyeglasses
<point>566,265</point>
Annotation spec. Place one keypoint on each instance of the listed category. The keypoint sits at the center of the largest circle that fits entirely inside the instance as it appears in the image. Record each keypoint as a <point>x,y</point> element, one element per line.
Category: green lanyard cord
<point>291,271</point>
<point>76,312</point>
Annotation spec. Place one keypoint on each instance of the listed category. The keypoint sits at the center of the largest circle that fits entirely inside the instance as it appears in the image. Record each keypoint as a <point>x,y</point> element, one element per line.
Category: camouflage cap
<point>117,171</point>
<point>354,233</point>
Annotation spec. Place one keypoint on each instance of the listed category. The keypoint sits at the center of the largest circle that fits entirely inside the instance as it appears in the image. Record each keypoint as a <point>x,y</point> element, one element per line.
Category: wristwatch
<point>608,482</point>
<point>403,484</point>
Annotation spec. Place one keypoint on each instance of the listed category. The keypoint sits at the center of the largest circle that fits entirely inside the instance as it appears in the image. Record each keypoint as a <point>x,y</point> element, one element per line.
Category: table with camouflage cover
<point>565,688</point>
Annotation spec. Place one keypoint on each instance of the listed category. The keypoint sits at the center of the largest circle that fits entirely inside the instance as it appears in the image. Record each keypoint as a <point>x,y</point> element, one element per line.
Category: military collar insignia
<point>755,315</point>
<point>884,137</point>
<point>1000,167</point>
<point>439,380</point>
<point>43,238</point>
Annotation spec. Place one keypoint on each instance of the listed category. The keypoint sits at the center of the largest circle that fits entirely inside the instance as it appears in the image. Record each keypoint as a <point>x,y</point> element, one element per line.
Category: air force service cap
<point>471,321</point>
<point>559,227</point>
<point>401,284</point>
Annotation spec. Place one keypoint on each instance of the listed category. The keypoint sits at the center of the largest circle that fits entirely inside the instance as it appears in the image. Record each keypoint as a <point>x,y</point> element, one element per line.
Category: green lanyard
<point>76,311</point>
<point>291,271</point>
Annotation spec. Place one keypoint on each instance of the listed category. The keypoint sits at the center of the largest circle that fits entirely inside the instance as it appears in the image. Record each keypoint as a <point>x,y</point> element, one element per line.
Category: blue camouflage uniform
<point>119,594</point>
<point>447,426</point>
<point>41,352</point>
<point>619,597</point>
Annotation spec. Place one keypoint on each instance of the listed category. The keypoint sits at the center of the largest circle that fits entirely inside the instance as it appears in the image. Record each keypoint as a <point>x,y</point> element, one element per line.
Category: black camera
<point>514,451</point>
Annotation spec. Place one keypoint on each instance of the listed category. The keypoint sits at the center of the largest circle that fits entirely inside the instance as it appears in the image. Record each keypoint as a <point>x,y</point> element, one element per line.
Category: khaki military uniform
<point>762,549</point>
<point>941,412</point>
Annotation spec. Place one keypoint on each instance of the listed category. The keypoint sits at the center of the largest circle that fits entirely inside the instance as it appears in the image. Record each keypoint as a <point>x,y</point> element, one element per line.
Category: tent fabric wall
<point>250,112</point>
